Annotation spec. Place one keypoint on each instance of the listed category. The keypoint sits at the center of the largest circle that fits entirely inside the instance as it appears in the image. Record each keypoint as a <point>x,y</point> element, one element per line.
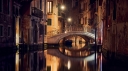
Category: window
<point>48,68</point>
<point>50,7</point>
<point>92,1</point>
<point>59,9</point>
<point>85,6</point>
<point>1,3</point>
<point>49,22</point>
<point>114,12</point>
<point>41,4</point>
<point>85,20</point>
<point>45,29</point>
<point>100,2</point>
<point>9,31</point>
<point>82,6</point>
<point>82,20</point>
<point>74,3</point>
<point>1,30</point>
<point>9,7</point>
<point>6,6</point>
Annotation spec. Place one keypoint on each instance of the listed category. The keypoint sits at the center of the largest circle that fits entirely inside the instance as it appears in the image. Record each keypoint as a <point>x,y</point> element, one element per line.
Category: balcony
<point>37,12</point>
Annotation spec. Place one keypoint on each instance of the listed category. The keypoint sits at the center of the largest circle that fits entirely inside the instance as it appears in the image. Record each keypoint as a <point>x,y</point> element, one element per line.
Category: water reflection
<point>54,60</point>
<point>76,53</point>
<point>17,62</point>
<point>7,61</point>
<point>30,61</point>
<point>77,50</point>
<point>100,62</point>
<point>76,45</point>
<point>59,59</point>
<point>59,62</point>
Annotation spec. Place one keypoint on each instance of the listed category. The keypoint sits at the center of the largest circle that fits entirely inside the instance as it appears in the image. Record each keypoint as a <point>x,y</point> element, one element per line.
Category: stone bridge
<point>56,38</point>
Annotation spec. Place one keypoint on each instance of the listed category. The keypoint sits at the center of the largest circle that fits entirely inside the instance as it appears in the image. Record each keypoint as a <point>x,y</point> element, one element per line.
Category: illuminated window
<point>50,7</point>
<point>1,30</point>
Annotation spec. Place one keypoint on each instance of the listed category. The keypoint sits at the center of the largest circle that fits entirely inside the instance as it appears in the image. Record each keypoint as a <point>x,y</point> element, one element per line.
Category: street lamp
<point>69,19</point>
<point>70,23</point>
<point>62,7</point>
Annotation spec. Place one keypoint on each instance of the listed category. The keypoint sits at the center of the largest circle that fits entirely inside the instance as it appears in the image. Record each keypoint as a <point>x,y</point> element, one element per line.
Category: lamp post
<point>62,7</point>
<point>62,14</point>
<point>69,21</point>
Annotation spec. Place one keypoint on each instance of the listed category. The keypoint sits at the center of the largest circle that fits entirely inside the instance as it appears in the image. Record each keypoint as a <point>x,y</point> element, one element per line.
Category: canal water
<point>62,58</point>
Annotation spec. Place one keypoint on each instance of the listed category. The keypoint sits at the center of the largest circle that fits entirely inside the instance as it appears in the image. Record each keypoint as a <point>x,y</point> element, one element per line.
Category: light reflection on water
<point>53,60</point>
<point>75,53</point>
<point>30,61</point>
<point>17,62</point>
<point>77,45</point>
<point>56,61</point>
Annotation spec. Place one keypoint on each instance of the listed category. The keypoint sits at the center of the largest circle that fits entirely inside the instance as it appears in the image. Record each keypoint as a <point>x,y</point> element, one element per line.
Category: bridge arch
<point>55,39</point>
<point>72,35</point>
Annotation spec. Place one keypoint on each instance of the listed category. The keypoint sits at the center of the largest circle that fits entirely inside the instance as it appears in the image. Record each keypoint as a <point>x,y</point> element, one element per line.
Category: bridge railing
<point>68,29</point>
<point>74,28</point>
<point>53,33</point>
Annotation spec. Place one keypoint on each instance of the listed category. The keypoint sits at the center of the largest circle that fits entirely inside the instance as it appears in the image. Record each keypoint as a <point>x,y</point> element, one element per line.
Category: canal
<point>53,58</point>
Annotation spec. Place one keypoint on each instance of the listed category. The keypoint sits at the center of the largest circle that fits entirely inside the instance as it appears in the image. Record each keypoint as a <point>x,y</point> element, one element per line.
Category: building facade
<point>22,22</point>
<point>52,15</point>
<point>115,28</point>
<point>33,19</point>
<point>85,14</point>
<point>73,13</point>
<point>7,34</point>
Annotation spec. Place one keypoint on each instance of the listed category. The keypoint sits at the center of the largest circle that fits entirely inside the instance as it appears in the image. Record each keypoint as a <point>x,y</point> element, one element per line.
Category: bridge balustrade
<point>53,32</point>
<point>66,30</point>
